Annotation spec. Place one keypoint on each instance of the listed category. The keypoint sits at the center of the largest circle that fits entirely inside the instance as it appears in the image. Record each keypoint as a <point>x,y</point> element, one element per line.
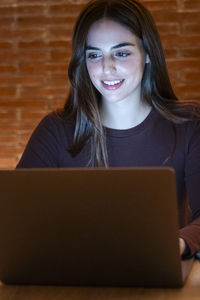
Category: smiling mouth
<point>112,84</point>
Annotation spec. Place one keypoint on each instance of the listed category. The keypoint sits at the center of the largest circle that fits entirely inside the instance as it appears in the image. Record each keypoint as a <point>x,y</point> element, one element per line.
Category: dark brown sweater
<point>154,142</point>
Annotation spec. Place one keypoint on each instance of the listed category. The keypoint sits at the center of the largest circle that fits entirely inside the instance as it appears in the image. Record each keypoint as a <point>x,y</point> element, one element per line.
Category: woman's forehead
<point>106,31</point>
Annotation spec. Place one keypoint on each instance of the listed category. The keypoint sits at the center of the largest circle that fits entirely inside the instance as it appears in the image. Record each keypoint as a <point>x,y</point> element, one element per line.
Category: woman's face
<point>115,61</point>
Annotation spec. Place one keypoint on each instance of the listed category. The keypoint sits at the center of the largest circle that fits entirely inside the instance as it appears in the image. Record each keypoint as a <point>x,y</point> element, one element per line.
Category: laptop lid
<point>102,227</point>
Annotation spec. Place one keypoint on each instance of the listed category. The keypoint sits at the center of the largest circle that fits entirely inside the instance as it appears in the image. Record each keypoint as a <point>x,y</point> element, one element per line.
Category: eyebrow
<point>114,47</point>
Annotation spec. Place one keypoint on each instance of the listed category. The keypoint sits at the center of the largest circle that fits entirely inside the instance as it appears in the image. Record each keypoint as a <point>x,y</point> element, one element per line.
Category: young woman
<point>121,109</point>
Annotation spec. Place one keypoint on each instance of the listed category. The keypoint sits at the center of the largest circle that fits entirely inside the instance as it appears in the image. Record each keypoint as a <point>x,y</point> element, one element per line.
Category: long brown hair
<point>82,105</point>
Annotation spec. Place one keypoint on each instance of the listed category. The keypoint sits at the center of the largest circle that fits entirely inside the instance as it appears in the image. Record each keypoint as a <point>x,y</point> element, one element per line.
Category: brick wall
<point>35,39</point>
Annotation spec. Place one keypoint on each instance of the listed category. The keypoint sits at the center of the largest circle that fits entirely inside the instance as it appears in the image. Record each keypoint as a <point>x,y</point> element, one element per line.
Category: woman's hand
<point>182,245</point>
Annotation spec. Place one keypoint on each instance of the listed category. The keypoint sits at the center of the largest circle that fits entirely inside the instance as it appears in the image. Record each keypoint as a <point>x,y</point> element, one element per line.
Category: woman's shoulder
<point>182,113</point>
<point>188,122</point>
<point>53,127</point>
<point>184,120</point>
<point>55,119</point>
<point>187,109</point>
<point>51,118</point>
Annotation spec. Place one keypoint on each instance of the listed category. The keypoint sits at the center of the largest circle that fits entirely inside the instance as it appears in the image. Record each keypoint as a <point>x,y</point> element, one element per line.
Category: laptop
<point>90,227</point>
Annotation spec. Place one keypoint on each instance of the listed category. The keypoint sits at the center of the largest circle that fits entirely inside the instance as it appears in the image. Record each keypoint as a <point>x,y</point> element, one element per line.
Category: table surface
<point>190,291</point>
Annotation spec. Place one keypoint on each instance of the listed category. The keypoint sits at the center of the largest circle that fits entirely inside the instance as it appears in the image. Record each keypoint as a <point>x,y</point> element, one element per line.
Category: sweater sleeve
<point>191,232</point>
<point>42,149</point>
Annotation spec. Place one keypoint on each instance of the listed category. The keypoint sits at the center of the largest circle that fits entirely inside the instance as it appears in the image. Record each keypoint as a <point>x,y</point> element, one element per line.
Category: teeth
<point>112,82</point>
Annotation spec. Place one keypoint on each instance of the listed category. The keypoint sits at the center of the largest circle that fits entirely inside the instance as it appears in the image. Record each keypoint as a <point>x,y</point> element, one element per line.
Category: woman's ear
<point>147,59</point>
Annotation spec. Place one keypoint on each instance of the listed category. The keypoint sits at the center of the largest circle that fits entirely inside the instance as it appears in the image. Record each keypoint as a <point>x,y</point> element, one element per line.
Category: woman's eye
<point>122,54</point>
<point>93,55</point>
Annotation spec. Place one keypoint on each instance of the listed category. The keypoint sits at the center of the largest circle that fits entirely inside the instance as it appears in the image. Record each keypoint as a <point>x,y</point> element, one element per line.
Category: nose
<point>108,65</point>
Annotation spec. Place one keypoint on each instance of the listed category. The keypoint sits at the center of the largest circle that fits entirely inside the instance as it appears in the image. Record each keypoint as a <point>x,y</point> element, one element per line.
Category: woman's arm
<point>191,233</point>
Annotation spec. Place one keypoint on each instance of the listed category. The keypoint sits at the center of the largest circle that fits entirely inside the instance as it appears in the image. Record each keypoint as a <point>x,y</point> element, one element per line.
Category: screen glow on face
<point>115,60</point>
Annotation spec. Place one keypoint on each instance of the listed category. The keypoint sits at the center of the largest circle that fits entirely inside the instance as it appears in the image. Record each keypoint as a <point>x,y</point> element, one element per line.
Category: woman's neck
<point>120,116</point>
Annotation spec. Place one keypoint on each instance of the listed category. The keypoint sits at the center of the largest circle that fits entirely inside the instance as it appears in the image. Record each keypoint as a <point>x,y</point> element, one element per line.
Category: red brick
<point>191,28</point>
<point>23,104</point>
<point>57,103</point>
<point>191,77</point>
<point>7,57</point>
<point>26,34</point>
<point>192,90</point>
<point>7,116</point>
<point>180,64</point>
<point>63,33</point>
<point>7,92</point>
<point>60,79</point>
<point>45,21</point>
<point>171,52</point>
<point>7,22</point>
<point>41,45</point>
<point>43,68</point>
<point>180,41</point>
<point>175,16</point>
<point>19,2</point>
<point>5,45</point>
<point>17,126</point>
<point>36,116</point>
<point>165,16</point>
<point>190,52</point>
<point>38,56</point>
<point>191,4</point>
<point>8,139</point>
<point>28,80</point>
<point>60,44</point>
<point>57,55</point>
<point>7,69</point>
<point>160,5</point>
<point>8,162</point>
<point>166,28</point>
<point>174,76</point>
<point>9,150</point>
<point>8,2</point>
<point>65,9</point>
<point>42,92</point>
<point>7,10</point>
<point>30,9</point>
<point>22,10</point>
<point>22,56</point>
<point>189,16</point>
